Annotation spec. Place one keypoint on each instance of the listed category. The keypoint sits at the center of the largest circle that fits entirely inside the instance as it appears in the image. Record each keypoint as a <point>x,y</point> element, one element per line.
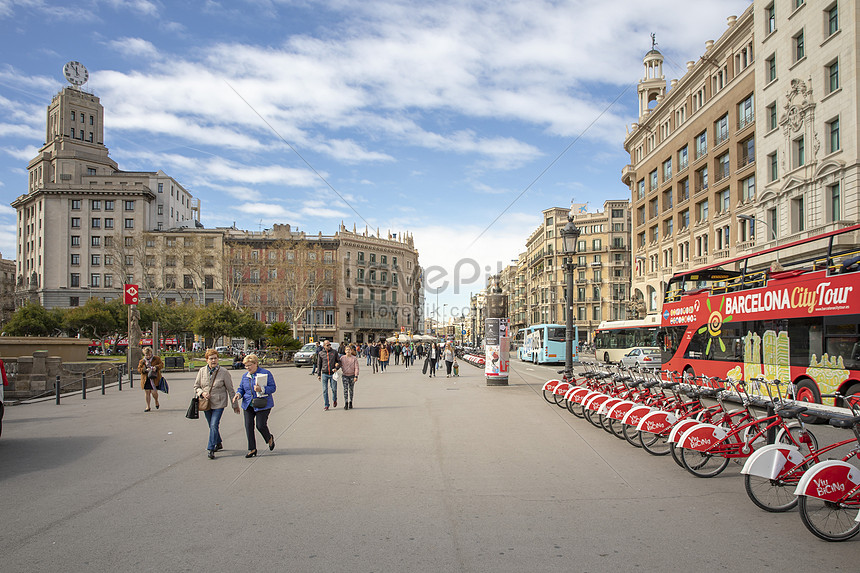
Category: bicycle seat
<point>669,385</point>
<point>791,411</point>
<point>709,392</point>
<point>838,422</point>
<point>650,383</point>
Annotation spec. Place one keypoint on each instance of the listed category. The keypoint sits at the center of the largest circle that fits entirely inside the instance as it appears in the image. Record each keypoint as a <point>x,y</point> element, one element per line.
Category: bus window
<point>805,339</point>
<point>556,334</point>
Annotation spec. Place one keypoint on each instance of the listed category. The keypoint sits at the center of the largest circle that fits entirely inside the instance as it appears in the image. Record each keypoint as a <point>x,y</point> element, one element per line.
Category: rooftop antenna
<point>653,41</point>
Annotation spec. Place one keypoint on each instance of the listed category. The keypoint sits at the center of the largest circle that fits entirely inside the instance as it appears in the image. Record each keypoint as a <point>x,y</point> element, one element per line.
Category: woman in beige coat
<point>150,368</point>
<point>214,388</point>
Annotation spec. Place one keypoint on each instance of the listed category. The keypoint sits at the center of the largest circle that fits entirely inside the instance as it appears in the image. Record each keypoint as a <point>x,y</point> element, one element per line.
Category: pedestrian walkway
<point>441,474</point>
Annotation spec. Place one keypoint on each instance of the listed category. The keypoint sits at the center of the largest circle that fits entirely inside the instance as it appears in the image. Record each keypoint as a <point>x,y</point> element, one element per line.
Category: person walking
<point>214,387</point>
<point>328,365</point>
<point>383,357</point>
<point>397,350</point>
<point>448,355</point>
<point>433,357</point>
<point>365,348</point>
<point>150,368</point>
<point>374,354</point>
<point>316,357</point>
<point>349,374</point>
<point>254,396</point>
<point>406,354</point>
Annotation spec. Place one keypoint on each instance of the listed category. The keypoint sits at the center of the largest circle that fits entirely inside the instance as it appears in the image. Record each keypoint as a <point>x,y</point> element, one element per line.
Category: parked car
<point>226,350</point>
<point>643,357</point>
<point>305,355</point>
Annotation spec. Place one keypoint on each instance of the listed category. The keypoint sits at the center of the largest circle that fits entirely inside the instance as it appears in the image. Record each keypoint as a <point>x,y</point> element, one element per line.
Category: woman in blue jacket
<point>257,385</point>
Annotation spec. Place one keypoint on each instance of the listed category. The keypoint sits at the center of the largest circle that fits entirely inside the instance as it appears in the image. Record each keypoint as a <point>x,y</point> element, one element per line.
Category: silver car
<point>305,356</point>
<point>643,357</point>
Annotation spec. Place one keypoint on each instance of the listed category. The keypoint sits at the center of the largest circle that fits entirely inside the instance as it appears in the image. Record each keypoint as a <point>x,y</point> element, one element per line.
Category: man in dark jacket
<point>328,362</point>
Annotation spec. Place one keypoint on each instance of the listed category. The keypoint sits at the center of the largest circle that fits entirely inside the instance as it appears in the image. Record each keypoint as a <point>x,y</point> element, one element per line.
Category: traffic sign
<point>131,294</point>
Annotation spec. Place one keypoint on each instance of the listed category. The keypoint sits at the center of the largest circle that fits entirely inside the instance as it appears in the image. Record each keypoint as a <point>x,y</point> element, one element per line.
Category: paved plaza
<point>422,475</point>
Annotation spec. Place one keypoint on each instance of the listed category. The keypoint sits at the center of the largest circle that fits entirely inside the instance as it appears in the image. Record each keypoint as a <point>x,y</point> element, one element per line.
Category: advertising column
<point>496,342</point>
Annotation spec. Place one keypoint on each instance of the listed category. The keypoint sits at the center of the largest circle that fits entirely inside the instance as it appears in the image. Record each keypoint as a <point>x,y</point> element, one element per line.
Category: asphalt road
<point>422,475</point>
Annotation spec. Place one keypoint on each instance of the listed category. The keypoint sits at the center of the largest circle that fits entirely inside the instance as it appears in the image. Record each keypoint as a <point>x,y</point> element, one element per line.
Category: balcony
<point>701,188</point>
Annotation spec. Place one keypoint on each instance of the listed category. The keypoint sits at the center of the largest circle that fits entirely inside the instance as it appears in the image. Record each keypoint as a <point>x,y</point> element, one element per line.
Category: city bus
<point>614,339</point>
<point>543,343</point>
<point>797,323</point>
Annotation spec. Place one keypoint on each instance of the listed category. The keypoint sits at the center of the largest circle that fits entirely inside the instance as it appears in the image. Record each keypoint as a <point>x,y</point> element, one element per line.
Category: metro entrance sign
<point>131,294</point>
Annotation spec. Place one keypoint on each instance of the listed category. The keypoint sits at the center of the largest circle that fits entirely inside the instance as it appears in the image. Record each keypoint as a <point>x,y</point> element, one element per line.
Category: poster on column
<point>491,348</point>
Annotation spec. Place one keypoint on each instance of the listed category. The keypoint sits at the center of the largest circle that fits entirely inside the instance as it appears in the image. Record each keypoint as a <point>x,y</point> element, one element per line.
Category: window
<point>596,244</point>
<point>833,77</point>
<point>95,241</point>
<point>96,205</point>
<point>109,241</point>
<point>75,280</point>
<point>770,18</point>
<point>748,189</point>
<point>683,159</point>
<point>209,281</point>
<point>74,301</point>
<point>76,260</point>
<point>109,205</point>
<point>128,205</point>
<point>76,222</point>
<point>129,223</point>
<point>747,149</point>
<point>161,187</point>
<point>95,280</point>
<point>798,215</point>
<point>773,166</point>
<point>76,204</point>
<point>372,257</point>
<point>773,223</point>
<point>702,179</point>
<point>746,112</point>
<point>108,279</point>
<point>149,260</point>
<point>76,240</point>
<point>128,241</point>
<point>684,219</point>
<point>833,135</point>
<point>770,68</point>
<point>96,223</point>
<point>723,167</point>
<point>684,190</point>
<point>95,260</point>
<point>701,144</point>
<point>832,20</point>
<point>702,210</point>
<point>653,179</point>
<point>129,260</point>
<point>722,237</point>
<point>108,223</point>
<point>798,147</point>
<point>771,116</point>
<point>724,201</point>
<point>834,202</point>
<point>188,282</point>
<point>721,130</point>
<point>161,209</point>
<point>667,169</point>
<point>797,43</point>
<point>641,187</point>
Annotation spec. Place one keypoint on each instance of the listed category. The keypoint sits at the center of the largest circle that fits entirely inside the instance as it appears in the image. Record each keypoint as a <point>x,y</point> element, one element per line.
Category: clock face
<point>76,73</point>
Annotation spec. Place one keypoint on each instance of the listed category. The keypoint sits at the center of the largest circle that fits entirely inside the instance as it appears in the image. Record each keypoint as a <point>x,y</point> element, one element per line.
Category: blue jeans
<point>327,381</point>
<point>213,418</point>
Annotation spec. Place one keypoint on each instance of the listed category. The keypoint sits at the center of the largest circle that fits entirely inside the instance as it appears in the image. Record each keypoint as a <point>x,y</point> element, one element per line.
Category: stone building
<point>82,216</point>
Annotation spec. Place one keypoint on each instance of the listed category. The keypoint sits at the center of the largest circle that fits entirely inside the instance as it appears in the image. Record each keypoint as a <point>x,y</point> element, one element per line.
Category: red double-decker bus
<point>799,323</point>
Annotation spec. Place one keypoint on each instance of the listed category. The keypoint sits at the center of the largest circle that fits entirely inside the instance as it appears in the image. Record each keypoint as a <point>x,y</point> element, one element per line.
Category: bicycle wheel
<point>631,434</point>
<point>772,495</point>
<point>795,430</point>
<point>615,428</point>
<point>560,401</point>
<point>575,408</point>
<point>593,417</point>
<point>549,396</point>
<point>702,464</point>
<point>828,520</point>
<point>676,454</point>
<point>654,444</point>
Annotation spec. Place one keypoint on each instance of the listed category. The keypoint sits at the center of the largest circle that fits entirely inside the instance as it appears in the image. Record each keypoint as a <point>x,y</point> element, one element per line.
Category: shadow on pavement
<point>27,455</point>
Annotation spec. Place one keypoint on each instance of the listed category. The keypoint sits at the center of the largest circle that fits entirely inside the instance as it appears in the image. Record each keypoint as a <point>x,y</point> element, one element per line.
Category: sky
<point>456,121</point>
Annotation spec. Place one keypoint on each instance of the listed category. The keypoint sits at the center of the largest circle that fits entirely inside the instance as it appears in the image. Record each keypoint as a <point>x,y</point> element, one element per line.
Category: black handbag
<point>162,386</point>
<point>193,412</point>
<point>259,402</point>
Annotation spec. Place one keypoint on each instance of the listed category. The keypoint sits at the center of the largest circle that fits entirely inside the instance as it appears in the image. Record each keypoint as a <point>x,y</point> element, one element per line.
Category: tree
<point>216,320</point>
<point>93,320</point>
<point>250,327</point>
<point>32,320</point>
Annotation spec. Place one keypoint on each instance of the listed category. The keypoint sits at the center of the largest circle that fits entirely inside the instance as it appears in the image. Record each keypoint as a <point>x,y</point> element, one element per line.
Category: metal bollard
<point>57,388</point>
<point>103,383</point>
<point>119,379</point>
<point>84,387</point>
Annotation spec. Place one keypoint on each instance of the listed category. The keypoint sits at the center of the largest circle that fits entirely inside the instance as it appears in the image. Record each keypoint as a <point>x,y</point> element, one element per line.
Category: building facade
<point>806,118</point>
<point>81,214</point>
<point>692,161</point>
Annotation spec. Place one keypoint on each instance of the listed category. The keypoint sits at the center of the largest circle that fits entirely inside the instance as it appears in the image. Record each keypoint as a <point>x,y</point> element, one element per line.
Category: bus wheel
<point>853,390</point>
<point>606,357</point>
<point>807,391</point>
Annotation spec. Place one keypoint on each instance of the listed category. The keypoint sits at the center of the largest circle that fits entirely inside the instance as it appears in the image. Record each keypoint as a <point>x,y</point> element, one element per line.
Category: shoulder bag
<point>193,409</point>
<point>258,402</point>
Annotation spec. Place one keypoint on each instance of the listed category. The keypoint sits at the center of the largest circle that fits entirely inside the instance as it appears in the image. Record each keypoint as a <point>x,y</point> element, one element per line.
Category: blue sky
<point>425,117</point>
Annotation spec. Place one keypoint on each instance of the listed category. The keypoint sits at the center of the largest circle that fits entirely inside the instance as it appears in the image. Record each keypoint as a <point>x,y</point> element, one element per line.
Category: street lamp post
<point>754,221</point>
<point>570,237</point>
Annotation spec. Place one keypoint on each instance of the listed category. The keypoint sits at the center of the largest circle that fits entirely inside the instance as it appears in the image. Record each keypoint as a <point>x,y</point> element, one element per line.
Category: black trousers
<point>261,417</point>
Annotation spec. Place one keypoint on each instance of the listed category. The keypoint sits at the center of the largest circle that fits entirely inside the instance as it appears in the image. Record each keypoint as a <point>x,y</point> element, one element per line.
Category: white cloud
<point>135,48</point>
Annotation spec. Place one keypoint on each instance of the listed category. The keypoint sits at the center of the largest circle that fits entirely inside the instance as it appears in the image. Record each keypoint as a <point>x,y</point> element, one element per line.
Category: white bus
<point>614,339</point>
